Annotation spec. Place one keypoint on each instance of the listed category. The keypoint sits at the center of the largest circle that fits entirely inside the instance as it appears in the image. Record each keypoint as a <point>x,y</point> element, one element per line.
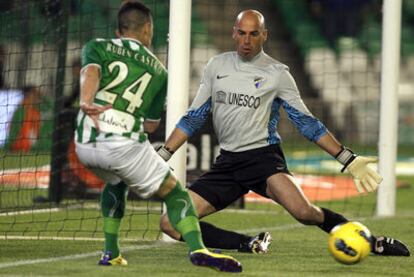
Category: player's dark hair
<point>132,16</point>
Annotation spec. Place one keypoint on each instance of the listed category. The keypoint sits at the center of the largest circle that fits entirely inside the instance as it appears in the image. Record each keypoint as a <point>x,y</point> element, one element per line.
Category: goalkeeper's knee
<point>113,200</point>
<point>180,210</point>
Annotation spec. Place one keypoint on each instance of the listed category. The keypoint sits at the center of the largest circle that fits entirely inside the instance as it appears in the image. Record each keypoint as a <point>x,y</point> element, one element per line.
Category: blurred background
<point>333,49</point>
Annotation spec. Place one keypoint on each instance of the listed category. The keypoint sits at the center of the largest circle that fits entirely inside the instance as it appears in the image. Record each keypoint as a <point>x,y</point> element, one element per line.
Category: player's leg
<point>214,191</point>
<point>202,208</point>
<point>113,200</point>
<point>213,236</point>
<point>147,174</point>
<point>184,219</point>
<point>181,212</point>
<point>283,189</point>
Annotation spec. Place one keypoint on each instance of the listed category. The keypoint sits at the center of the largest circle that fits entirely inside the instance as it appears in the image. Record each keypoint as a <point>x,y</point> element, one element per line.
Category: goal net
<point>46,192</point>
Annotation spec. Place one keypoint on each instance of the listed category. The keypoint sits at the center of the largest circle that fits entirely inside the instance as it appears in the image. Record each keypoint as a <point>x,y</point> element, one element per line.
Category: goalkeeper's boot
<point>203,257</point>
<point>386,246</point>
<point>106,259</point>
<point>258,244</point>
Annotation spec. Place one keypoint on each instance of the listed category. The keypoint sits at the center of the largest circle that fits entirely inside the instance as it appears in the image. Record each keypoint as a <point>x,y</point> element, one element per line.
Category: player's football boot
<point>106,259</point>
<point>203,257</point>
<point>386,246</point>
<point>258,244</point>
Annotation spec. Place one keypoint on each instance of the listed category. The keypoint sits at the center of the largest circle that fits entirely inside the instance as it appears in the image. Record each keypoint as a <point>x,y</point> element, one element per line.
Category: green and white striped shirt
<point>132,80</point>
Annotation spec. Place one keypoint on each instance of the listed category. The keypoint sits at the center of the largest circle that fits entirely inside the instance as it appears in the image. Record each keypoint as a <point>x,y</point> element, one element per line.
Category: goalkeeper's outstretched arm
<point>365,179</point>
<point>174,142</point>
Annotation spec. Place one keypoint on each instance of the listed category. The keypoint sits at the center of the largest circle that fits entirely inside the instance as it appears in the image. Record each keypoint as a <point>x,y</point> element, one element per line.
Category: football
<point>350,243</point>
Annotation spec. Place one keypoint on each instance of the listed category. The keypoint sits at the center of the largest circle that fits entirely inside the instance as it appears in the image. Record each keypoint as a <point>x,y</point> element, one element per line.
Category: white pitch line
<point>157,244</point>
<point>132,248</point>
<point>151,209</point>
<point>275,228</point>
<point>77,256</point>
<point>288,226</point>
<point>298,225</point>
<point>8,237</point>
<point>35,211</point>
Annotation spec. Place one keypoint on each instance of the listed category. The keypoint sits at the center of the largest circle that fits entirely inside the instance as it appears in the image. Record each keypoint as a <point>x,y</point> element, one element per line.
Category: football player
<point>123,89</point>
<point>244,90</point>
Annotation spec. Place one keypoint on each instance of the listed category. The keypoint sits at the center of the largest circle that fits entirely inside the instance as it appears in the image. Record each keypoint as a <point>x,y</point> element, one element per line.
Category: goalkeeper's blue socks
<point>183,216</point>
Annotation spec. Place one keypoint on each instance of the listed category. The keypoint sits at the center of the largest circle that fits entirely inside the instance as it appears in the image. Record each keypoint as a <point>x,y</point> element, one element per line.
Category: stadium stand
<point>350,68</point>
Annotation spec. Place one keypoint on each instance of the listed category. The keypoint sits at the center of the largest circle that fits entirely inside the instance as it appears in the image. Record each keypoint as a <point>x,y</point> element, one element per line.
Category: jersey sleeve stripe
<point>274,137</point>
<point>309,126</point>
<point>195,119</point>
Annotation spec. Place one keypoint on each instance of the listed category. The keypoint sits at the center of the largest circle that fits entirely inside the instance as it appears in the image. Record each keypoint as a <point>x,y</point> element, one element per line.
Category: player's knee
<point>201,205</point>
<point>167,185</point>
<point>113,200</point>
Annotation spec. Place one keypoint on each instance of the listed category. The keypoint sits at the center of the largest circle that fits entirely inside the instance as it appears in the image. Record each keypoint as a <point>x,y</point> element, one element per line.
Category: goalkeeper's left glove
<point>365,178</point>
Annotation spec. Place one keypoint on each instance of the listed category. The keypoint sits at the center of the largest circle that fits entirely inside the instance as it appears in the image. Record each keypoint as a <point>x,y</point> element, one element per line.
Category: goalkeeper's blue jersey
<point>245,98</point>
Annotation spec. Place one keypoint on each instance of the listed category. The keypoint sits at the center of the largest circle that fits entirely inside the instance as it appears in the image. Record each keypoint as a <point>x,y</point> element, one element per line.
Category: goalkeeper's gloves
<point>164,152</point>
<point>365,178</point>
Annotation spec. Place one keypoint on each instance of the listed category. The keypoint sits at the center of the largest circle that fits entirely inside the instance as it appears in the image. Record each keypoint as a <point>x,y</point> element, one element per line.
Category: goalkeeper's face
<point>249,34</point>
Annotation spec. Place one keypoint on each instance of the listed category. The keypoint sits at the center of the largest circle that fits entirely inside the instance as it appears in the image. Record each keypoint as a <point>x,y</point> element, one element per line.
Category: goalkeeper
<point>244,91</point>
<point>123,89</point>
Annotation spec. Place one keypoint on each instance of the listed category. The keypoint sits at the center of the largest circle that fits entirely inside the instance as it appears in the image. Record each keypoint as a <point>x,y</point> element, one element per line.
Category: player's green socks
<point>111,231</point>
<point>113,207</point>
<point>183,217</point>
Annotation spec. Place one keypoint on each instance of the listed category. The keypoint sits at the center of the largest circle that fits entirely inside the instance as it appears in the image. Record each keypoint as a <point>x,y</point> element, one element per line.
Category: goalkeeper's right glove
<point>164,152</point>
<point>365,178</point>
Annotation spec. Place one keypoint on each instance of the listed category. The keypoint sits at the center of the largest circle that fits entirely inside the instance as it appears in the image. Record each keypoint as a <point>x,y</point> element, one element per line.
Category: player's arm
<point>153,117</point>
<point>193,120</point>
<point>186,127</point>
<point>89,84</point>
<point>150,126</point>
<point>365,178</point>
<point>89,81</point>
<point>177,138</point>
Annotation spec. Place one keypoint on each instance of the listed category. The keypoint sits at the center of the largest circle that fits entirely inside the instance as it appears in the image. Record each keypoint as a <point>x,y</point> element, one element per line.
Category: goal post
<point>391,35</point>
<point>178,76</point>
<point>178,79</point>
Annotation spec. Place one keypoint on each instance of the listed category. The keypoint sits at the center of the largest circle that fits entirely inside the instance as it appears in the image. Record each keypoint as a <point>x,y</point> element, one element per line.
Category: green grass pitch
<point>296,250</point>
